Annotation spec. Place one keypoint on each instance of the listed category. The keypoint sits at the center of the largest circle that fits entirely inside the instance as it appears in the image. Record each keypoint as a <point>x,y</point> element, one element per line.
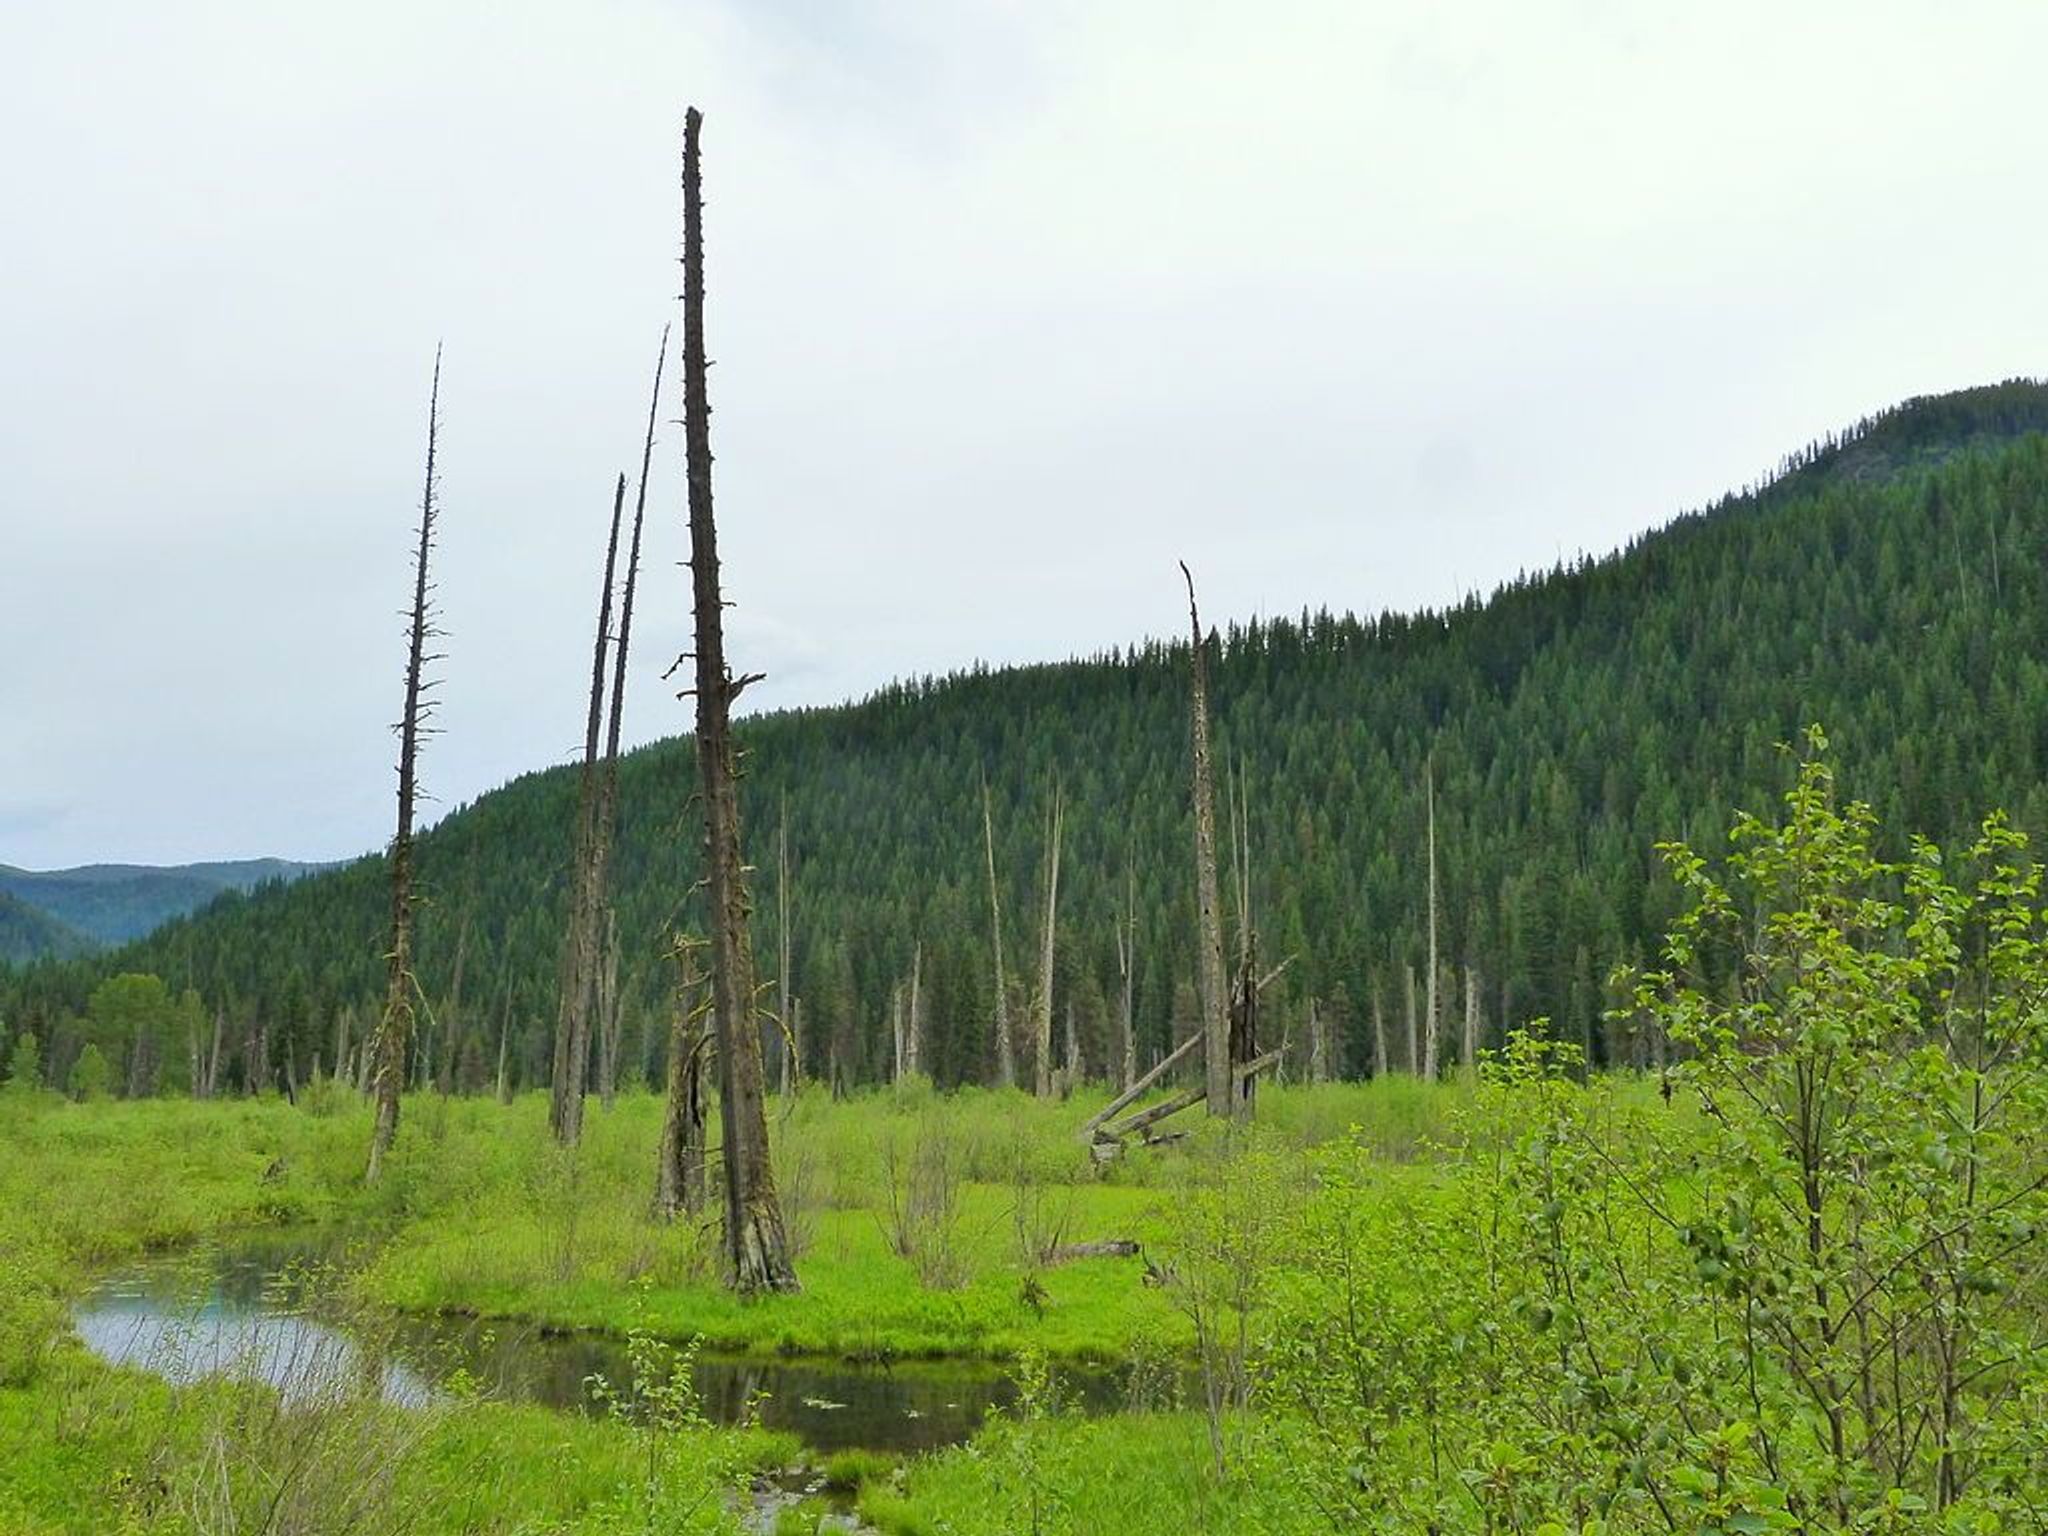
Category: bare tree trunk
<point>1381,1064</point>
<point>792,1061</point>
<point>220,1020</point>
<point>394,1030</point>
<point>913,1051</point>
<point>608,1011</point>
<point>1212,988</point>
<point>896,1041</point>
<point>605,828</point>
<point>757,1246</point>
<point>1076,1069</point>
<point>1006,1060</point>
<point>679,1173</point>
<point>1408,1003</point>
<point>578,988</point>
<point>1431,1018</point>
<point>1245,985</point>
<point>1469,1052</point>
<point>1127,965</point>
<point>1244,1029</point>
<point>1318,1047</point>
<point>1042,1073</point>
<point>341,1046</point>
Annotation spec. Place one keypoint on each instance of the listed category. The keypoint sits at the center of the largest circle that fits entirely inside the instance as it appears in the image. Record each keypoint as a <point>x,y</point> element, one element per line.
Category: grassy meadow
<point>1797,1283</point>
<point>919,1218</point>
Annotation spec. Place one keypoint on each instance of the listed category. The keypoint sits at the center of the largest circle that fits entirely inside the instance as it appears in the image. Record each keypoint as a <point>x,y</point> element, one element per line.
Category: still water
<point>253,1310</point>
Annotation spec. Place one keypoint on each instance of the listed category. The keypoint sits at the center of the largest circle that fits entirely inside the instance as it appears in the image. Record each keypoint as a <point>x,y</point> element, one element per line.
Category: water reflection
<point>255,1310</point>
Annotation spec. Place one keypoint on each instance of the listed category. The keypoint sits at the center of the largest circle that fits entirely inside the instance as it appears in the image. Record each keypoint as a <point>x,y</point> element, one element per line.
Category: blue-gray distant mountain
<point>97,904</point>
<point>29,933</point>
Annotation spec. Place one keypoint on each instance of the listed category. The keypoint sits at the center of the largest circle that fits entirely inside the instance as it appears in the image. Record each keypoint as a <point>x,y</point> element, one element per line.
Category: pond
<point>251,1310</point>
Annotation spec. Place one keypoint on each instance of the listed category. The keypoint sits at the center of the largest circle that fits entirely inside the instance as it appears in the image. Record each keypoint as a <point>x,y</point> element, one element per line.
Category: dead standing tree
<point>608,792</point>
<point>1041,1022</point>
<point>1127,971</point>
<point>394,1030</point>
<point>1211,987</point>
<point>1432,1025</point>
<point>790,1057</point>
<point>580,943</point>
<point>757,1246</point>
<point>1228,1033</point>
<point>1006,1058</point>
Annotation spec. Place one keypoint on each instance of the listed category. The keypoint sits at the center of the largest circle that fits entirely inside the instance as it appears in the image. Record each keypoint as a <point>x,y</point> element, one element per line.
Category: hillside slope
<point>29,933</point>
<point>1893,583</point>
<point>114,903</point>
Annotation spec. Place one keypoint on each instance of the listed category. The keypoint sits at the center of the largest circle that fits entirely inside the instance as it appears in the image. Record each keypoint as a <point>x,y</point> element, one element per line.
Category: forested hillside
<point>1889,583</point>
<point>28,933</point>
<point>113,903</point>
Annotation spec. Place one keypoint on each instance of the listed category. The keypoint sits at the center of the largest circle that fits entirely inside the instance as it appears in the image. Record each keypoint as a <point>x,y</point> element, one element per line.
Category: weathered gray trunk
<point>1042,1069</point>
<point>1468,1054</point>
<point>1127,966</point>
<point>1432,1018</point>
<point>785,991</point>
<point>605,829</point>
<point>1212,989</point>
<point>1408,1004</point>
<point>394,1029</point>
<point>608,1006</point>
<point>1006,1060</point>
<point>757,1247</point>
<point>913,1036</point>
<point>679,1173</point>
<point>580,948</point>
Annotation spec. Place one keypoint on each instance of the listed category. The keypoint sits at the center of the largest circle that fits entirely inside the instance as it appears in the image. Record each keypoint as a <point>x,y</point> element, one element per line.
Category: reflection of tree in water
<point>281,1298</point>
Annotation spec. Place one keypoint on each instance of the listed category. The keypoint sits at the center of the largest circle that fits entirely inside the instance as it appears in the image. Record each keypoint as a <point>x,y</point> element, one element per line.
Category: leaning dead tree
<point>756,1245</point>
<point>580,944</point>
<point>401,988</point>
<point>608,790</point>
<point>1041,1023</point>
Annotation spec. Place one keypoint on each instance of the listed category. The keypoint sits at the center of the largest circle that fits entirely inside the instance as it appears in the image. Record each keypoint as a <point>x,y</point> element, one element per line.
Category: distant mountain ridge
<point>100,904</point>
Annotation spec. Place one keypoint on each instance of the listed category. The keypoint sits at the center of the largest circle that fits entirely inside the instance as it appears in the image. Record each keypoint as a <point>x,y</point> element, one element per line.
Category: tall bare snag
<point>1212,990</point>
<point>394,1030</point>
<point>757,1246</point>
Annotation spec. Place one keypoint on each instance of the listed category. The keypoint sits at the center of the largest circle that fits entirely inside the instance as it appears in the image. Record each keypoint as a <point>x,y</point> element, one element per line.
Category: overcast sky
<point>1347,302</point>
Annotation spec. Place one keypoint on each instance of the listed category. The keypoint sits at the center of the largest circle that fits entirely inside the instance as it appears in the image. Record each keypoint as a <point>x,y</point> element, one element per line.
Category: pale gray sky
<point>1347,302</point>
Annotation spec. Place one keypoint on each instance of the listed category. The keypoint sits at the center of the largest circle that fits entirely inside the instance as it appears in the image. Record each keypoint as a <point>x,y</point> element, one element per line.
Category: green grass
<point>1132,1473</point>
<point>480,1213</point>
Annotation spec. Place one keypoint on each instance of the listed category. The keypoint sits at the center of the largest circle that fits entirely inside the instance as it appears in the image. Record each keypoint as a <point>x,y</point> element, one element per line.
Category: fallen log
<point>1108,1248</point>
<point>1136,1091</point>
<point>1111,1136</point>
<point>1133,1124</point>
